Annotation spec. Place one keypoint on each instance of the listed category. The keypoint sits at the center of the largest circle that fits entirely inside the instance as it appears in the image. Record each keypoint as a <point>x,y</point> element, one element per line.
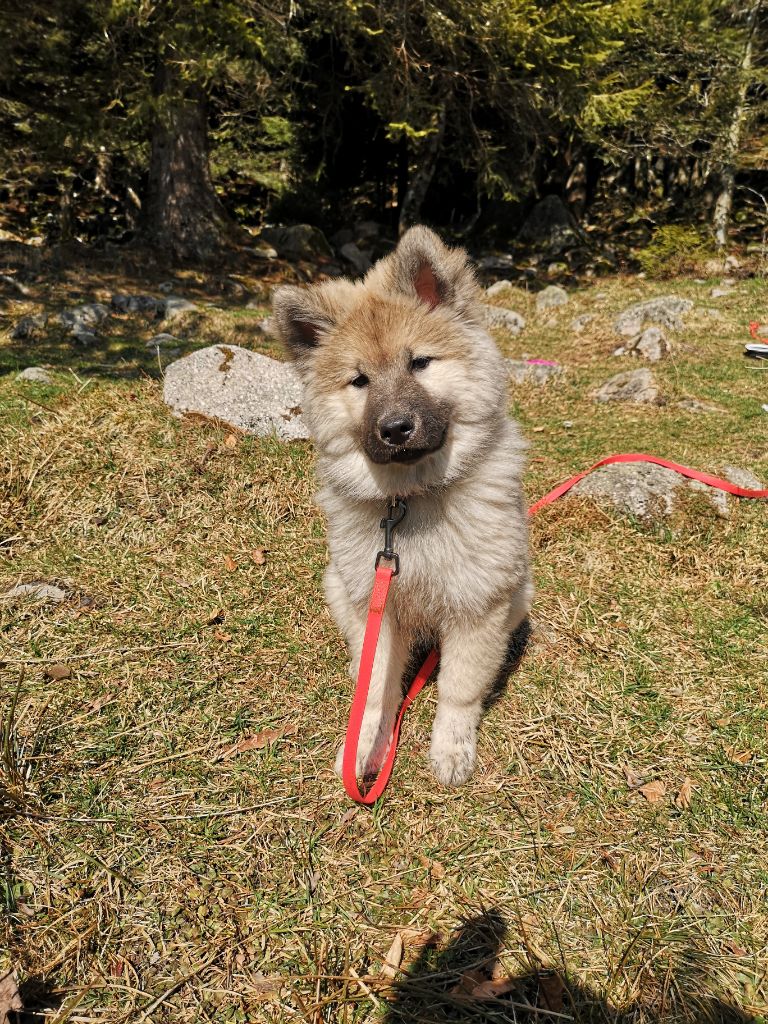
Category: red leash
<point>378,603</point>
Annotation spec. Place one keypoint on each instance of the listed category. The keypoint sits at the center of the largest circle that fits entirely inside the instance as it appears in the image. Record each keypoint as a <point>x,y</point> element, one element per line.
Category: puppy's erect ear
<point>422,265</point>
<point>301,319</point>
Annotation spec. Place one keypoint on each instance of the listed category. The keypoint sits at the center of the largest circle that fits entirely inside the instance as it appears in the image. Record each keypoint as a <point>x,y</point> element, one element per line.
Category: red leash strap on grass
<point>693,474</point>
<point>376,614</point>
<point>370,641</point>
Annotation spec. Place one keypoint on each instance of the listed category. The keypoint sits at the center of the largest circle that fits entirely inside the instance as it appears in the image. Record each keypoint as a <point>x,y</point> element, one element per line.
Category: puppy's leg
<point>386,687</point>
<point>471,656</point>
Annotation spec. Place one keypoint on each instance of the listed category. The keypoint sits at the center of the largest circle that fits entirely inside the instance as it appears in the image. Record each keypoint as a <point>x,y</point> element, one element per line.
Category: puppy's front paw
<point>453,752</point>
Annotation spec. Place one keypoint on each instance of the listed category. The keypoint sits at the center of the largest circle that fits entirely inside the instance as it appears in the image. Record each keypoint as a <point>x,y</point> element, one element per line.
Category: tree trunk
<point>182,213</point>
<point>721,217</point>
<point>426,160</point>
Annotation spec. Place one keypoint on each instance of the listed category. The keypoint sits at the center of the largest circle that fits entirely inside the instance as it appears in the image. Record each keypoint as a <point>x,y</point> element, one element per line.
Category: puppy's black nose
<point>396,430</point>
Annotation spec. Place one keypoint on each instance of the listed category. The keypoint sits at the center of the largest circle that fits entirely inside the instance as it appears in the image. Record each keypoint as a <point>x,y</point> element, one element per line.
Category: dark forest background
<point>187,126</point>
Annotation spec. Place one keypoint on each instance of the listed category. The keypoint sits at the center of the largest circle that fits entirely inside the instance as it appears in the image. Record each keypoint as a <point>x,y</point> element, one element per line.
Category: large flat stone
<point>249,391</point>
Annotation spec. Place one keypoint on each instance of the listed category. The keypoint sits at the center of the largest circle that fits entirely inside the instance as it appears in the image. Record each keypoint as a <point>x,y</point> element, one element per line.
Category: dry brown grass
<point>148,878</point>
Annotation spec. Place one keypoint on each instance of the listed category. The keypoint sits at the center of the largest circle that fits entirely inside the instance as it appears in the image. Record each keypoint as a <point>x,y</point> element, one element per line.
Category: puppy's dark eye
<point>360,381</point>
<point>421,362</point>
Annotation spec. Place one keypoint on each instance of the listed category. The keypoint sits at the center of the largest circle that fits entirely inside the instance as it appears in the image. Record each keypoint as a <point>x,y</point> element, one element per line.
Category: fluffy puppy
<point>405,395</point>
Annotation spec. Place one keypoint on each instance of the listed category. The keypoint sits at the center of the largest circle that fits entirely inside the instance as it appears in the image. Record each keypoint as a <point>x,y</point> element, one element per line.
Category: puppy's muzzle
<point>403,437</point>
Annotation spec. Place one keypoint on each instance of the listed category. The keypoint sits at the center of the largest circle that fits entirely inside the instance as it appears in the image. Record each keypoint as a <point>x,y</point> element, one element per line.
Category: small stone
<point>263,252</point>
<point>632,386</point>
<point>551,297</point>
<point>521,371</point>
<point>83,336</point>
<point>578,324</point>
<point>245,389</point>
<point>694,405</point>
<point>175,306</point>
<point>28,326</point>
<point>37,591</point>
<point>147,304</point>
<point>499,288</point>
<point>360,260</point>
<point>36,374</point>
<point>503,319</point>
<point>57,672</point>
<point>297,241</point>
<point>651,345</point>
<point>166,287</point>
<point>667,311</point>
<point>719,293</point>
<point>567,424</point>
<point>162,341</point>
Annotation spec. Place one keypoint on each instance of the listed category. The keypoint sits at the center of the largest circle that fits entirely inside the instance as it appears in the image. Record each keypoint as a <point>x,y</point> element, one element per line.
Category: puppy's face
<point>402,386</point>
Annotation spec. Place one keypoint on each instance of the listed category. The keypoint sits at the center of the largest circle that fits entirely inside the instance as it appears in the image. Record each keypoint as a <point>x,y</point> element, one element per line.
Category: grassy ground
<point>152,873</point>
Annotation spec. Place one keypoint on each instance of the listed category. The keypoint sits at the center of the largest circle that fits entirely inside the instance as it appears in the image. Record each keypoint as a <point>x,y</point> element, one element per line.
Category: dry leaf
<point>10,999</point>
<point>493,989</point>
<point>434,867</point>
<point>467,983</point>
<point>538,430</point>
<point>57,672</point>
<point>653,791</point>
<point>393,958</point>
<point>257,741</point>
<point>739,756</point>
<point>259,556</point>
<point>347,816</point>
<point>634,781</point>
<point>734,949</point>
<point>683,798</point>
<point>215,618</point>
<point>223,637</point>
<point>421,937</point>
<point>230,564</point>
<point>230,441</point>
<point>551,991</point>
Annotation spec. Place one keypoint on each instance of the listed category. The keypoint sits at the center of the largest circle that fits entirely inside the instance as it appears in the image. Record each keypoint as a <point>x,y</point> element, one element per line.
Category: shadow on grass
<point>438,989</point>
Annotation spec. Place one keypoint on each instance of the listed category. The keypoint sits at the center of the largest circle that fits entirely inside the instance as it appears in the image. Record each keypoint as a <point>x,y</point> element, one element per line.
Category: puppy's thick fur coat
<point>405,395</point>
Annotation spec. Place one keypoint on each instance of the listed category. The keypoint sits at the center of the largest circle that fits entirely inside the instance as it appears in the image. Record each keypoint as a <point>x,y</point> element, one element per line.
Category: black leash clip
<point>396,514</point>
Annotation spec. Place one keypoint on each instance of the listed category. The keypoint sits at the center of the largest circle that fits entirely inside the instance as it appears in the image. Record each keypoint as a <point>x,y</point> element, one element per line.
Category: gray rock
<point>640,489</point>
<point>667,311</point>
<point>28,326</point>
<point>361,261</point>
<point>694,405</point>
<point>503,319</point>
<point>552,226</point>
<point>578,324</point>
<point>175,306</point>
<point>263,252</point>
<point>36,374</point>
<point>299,241</point>
<point>147,304</point>
<point>498,263</point>
<point>498,288</point>
<point>247,390</point>
<point>83,336</point>
<point>651,345</point>
<point>38,591</point>
<point>719,293</point>
<point>741,477</point>
<point>551,297</point>
<point>163,341</point>
<point>91,313</point>
<point>522,372</point>
<point>631,386</point>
